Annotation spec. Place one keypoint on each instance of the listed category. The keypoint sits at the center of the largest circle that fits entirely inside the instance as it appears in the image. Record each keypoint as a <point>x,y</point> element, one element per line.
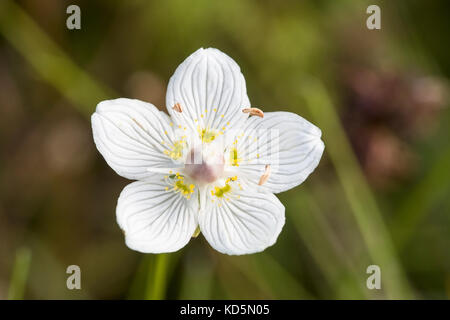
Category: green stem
<point>157,278</point>
<point>19,274</point>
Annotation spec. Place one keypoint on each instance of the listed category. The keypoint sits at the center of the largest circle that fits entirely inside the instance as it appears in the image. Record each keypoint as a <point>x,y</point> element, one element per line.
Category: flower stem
<point>19,274</point>
<point>157,278</point>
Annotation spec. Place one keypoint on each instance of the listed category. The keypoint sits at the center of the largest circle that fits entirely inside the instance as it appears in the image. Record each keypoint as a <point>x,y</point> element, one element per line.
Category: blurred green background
<point>381,194</point>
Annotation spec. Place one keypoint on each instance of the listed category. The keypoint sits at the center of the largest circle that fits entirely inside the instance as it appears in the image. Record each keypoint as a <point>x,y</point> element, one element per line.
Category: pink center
<point>204,167</point>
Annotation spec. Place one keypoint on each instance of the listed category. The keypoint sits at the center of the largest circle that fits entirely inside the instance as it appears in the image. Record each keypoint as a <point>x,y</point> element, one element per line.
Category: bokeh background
<point>381,194</point>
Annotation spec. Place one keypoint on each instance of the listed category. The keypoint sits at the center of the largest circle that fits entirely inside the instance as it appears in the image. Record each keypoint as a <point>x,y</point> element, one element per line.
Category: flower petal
<point>132,136</point>
<point>155,220</point>
<point>248,222</point>
<point>211,91</point>
<point>288,143</point>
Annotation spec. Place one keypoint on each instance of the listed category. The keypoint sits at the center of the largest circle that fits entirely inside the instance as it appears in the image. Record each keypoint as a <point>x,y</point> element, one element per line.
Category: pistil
<point>203,166</point>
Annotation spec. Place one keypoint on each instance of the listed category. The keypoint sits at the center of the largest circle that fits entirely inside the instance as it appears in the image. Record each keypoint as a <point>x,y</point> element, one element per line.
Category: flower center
<point>204,164</point>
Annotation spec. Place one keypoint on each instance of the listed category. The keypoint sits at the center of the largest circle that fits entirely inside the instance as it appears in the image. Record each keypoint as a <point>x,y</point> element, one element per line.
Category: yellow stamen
<point>220,191</point>
<point>234,159</point>
<point>176,151</point>
<point>207,135</point>
<point>181,187</point>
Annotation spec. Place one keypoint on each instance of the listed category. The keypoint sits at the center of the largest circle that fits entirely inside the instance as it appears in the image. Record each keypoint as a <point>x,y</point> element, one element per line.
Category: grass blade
<point>356,189</point>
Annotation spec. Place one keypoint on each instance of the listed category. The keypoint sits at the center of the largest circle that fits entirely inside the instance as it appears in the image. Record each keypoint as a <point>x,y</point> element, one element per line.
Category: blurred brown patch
<point>385,113</point>
<point>147,86</point>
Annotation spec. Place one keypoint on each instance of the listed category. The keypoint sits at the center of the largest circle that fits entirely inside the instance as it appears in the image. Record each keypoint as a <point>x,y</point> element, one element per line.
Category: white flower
<point>208,166</point>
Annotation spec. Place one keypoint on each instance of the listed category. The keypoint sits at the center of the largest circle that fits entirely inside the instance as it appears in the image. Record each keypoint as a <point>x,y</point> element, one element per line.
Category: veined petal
<point>241,222</point>
<point>133,136</point>
<point>156,220</point>
<point>289,144</point>
<point>211,91</point>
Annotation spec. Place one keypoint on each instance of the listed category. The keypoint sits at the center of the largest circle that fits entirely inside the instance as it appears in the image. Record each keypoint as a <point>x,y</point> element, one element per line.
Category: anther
<point>254,112</point>
<point>177,107</point>
<point>265,176</point>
